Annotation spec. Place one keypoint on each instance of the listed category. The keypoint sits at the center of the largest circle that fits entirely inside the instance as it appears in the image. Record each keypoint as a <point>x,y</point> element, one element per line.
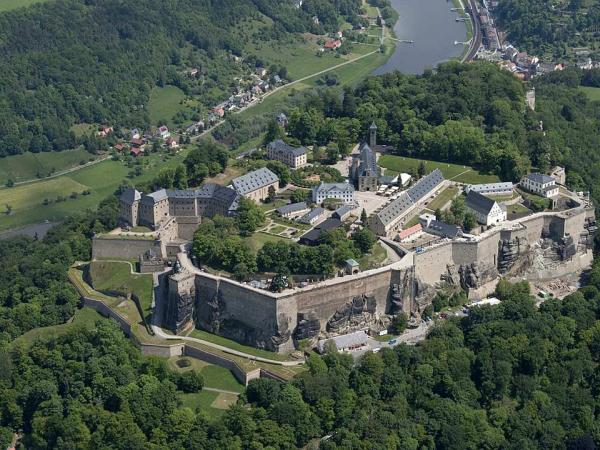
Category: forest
<point>550,29</point>
<point>75,62</point>
<point>513,376</point>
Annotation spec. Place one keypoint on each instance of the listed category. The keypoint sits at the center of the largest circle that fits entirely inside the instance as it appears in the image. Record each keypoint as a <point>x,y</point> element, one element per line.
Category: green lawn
<point>257,240</point>
<point>215,339</point>
<point>277,229</point>
<point>165,103</point>
<point>117,276</point>
<point>444,197</point>
<point>216,377</point>
<point>31,165</point>
<point>85,317</point>
<point>454,172</point>
<point>592,93</point>
<point>205,401</point>
<point>7,5</point>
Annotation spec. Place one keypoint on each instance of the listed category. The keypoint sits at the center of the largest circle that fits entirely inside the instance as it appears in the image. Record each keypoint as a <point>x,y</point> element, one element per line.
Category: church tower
<point>373,135</point>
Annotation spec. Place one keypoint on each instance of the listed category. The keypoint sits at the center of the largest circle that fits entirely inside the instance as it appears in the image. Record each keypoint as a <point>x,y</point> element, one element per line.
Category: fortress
<point>541,246</point>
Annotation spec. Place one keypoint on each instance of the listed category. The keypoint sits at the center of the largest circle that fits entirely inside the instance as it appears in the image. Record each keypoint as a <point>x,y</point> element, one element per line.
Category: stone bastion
<point>541,246</point>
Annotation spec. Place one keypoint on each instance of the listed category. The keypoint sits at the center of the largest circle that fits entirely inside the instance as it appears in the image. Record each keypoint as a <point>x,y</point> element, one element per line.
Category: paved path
<point>221,391</point>
<point>476,39</point>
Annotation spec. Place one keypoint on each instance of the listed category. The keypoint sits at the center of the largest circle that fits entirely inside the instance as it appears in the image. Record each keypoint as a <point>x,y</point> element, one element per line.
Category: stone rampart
<point>123,248</point>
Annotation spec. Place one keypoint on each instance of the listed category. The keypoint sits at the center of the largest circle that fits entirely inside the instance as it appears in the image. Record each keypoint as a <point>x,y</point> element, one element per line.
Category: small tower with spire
<point>373,135</point>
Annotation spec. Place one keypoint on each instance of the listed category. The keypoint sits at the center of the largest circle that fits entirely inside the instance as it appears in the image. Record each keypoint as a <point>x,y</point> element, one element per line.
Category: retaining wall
<point>103,247</point>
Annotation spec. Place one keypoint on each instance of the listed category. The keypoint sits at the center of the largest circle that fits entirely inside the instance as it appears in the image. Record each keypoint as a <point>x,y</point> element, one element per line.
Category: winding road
<point>476,39</point>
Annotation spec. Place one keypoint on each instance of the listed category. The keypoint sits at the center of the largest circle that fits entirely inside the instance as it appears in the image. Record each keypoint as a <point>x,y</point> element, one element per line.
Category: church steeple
<point>373,135</point>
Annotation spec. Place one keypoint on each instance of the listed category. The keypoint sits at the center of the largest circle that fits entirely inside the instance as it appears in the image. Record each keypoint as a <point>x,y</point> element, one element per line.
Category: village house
<point>163,132</point>
<point>333,44</point>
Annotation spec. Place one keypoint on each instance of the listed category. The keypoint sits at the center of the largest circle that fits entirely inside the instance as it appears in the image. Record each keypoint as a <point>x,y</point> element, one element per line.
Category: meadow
<point>455,172</point>
<point>8,5</point>
<point>164,103</point>
<point>592,93</point>
<point>29,165</point>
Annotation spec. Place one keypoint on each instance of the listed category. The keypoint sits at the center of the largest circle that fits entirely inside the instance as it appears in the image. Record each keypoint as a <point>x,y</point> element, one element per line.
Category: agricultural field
<point>28,166</point>
<point>454,172</point>
<point>165,103</point>
<point>34,193</point>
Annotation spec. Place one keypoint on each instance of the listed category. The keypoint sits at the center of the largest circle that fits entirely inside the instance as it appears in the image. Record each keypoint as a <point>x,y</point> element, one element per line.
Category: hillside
<point>71,62</point>
<point>556,30</point>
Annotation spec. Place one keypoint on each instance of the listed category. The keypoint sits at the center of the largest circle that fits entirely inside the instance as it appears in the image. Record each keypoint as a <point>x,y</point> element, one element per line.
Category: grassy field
<point>444,197</point>
<point>117,276</point>
<point>27,195</point>
<point>29,165</point>
<point>593,93</point>
<point>7,5</point>
<point>216,377</point>
<point>85,317</point>
<point>257,240</point>
<point>101,179</point>
<point>454,172</point>
<point>200,334</point>
<point>214,404</point>
<point>165,103</point>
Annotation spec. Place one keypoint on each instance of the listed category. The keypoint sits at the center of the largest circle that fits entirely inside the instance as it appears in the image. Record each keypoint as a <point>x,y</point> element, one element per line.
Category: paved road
<point>221,391</point>
<point>476,39</point>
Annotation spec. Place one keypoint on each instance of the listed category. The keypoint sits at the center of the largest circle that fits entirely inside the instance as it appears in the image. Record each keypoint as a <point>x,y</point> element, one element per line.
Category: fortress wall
<point>534,228</point>
<point>248,306</point>
<point>328,298</point>
<point>430,264</point>
<point>574,224</point>
<point>186,227</point>
<point>487,251</point>
<point>464,252</point>
<point>103,247</point>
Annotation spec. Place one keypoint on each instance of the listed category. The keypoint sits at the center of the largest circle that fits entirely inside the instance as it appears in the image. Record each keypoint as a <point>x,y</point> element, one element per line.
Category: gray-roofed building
<point>293,209</point>
<point>540,184</point>
<point>492,188</point>
<point>345,342</point>
<point>391,218</point>
<point>313,236</point>
<point>130,200</point>
<point>425,186</point>
<point>343,212</point>
<point>312,216</point>
<point>442,229</point>
<point>351,266</point>
<point>255,185</point>
<point>154,208</point>
<point>364,172</point>
<point>486,210</point>
<point>292,156</point>
<point>340,191</point>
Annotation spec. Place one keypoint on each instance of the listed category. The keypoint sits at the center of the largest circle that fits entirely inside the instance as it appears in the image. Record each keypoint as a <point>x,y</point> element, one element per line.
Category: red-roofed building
<point>218,111</point>
<point>120,147</point>
<point>333,45</point>
<point>410,233</point>
<point>135,151</point>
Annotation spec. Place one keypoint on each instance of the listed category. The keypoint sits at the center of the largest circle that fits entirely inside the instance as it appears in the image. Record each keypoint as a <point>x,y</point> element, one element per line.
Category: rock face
<point>509,252</point>
<point>180,310</point>
<point>410,295</point>
<point>308,327</point>
<point>359,312</point>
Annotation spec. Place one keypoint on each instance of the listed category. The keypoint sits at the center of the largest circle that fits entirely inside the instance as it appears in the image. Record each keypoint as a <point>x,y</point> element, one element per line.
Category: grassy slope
<point>117,276</point>
<point>456,172</point>
<point>444,197</point>
<point>593,93</point>
<point>165,103</point>
<point>85,317</point>
<point>200,334</point>
<point>7,5</point>
<point>28,165</point>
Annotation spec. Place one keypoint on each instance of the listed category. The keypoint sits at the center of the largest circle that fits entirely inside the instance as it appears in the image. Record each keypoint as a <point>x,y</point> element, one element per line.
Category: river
<point>432,26</point>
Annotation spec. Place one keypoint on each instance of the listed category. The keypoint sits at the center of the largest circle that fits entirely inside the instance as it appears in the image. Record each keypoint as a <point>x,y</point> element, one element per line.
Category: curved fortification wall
<point>277,321</point>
